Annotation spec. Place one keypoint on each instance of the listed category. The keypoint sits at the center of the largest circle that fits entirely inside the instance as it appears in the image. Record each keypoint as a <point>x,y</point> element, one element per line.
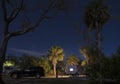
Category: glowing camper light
<point>71,69</point>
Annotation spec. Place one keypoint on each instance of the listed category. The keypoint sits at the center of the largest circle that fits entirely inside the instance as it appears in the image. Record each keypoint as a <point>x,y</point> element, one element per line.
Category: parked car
<point>31,72</point>
<point>8,69</point>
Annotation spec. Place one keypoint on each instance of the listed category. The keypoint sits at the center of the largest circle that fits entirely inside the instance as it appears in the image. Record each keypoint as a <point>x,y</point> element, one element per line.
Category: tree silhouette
<point>26,61</point>
<point>13,10</point>
<point>72,59</point>
<point>44,62</point>
<point>95,16</point>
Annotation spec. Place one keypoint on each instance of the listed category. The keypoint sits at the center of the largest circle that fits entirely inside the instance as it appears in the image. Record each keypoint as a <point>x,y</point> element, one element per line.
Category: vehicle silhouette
<point>30,72</point>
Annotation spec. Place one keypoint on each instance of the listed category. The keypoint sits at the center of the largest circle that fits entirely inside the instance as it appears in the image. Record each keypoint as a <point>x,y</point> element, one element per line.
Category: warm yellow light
<point>83,63</point>
<point>8,63</point>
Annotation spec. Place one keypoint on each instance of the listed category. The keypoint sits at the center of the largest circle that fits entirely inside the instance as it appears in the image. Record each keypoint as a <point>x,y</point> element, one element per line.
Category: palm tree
<point>72,59</point>
<point>95,16</point>
<point>55,54</point>
<point>86,53</point>
<point>90,54</point>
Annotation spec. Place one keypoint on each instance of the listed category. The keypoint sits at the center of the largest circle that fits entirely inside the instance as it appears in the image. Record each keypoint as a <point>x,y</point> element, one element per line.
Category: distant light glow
<point>71,69</point>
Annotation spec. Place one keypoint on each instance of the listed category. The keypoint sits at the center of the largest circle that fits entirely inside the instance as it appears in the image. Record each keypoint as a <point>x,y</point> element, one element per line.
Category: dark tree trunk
<point>99,49</point>
<point>3,48</point>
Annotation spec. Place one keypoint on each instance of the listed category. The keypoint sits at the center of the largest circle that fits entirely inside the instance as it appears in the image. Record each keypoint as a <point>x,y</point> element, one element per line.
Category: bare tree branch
<point>44,13</point>
<point>16,12</point>
<point>17,33</point>
<point>13,12</point>
<point>4,10</point>
<point>32,27</point>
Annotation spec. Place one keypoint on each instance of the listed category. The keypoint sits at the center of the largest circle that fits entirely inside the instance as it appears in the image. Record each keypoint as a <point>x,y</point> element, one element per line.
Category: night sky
<point>60,31</point>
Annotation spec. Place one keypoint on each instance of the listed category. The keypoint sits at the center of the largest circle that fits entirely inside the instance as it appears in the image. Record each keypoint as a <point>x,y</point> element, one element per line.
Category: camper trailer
<point>71,70</point>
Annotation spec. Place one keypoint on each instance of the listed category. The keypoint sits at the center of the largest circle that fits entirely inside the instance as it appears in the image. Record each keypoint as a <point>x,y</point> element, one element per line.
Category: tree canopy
<point>72,59</point>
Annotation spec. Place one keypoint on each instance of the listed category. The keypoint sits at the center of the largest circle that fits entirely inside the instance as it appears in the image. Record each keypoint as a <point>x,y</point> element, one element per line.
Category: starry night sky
<point>60,31</point>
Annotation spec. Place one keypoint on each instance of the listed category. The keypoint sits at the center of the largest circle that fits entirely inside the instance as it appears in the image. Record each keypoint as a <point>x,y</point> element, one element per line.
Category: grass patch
<point>8,80</point>
<point>46,81</point>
